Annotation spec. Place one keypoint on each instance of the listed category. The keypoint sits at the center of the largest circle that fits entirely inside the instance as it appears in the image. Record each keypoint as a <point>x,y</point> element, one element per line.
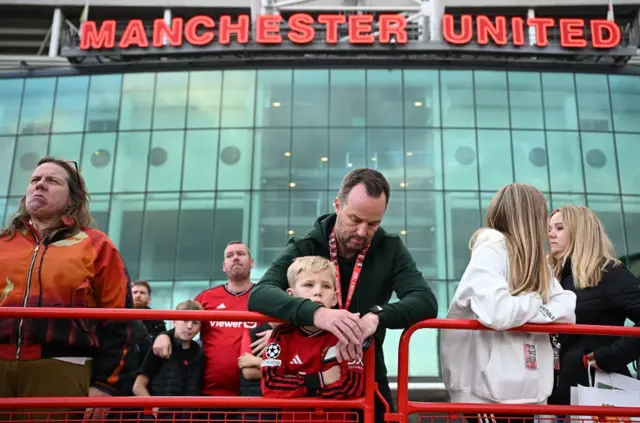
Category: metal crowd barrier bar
<point>210,409</point>
<point>406,407</point>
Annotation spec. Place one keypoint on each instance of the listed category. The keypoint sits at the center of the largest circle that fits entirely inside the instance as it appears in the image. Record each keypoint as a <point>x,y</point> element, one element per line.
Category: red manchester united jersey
<point>294,359</point>
<point>221,341</point>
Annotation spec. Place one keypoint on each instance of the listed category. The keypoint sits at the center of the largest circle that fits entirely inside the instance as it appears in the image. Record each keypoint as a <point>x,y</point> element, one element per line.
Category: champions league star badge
<point>272,351</point>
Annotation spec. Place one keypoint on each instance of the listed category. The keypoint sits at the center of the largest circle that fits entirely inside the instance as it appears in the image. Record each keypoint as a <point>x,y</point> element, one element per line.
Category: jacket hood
<point>487,236</point>
<point>325,223</point>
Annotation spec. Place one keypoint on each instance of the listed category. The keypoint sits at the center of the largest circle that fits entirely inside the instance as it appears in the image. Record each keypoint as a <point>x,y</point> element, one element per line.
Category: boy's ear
<point>290,291</point>
<point>335,299</point>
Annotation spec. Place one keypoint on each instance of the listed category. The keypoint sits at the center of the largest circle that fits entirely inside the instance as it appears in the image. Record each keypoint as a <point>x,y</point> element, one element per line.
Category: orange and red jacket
<point>65,270</point>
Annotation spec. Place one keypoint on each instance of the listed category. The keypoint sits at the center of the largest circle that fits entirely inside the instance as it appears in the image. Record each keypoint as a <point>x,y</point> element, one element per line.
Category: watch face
<point>376,309</point>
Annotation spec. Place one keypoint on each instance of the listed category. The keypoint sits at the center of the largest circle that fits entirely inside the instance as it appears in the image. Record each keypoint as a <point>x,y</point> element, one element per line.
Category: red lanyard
<point>355,275</point>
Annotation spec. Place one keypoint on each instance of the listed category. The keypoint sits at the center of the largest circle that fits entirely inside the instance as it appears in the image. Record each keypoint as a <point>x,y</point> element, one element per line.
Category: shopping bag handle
<point>590,364</point>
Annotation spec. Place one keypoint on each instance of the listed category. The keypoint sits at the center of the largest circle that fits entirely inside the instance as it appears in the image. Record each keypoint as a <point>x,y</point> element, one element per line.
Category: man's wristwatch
<point>376,309</point>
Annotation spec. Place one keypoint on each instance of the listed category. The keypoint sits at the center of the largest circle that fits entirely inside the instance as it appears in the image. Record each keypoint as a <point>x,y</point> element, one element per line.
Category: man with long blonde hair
<point>507,283</point>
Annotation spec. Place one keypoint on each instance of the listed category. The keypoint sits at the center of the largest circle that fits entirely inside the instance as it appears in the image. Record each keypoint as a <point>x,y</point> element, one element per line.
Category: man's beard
<point>239,274</point>
<point>137,304</point>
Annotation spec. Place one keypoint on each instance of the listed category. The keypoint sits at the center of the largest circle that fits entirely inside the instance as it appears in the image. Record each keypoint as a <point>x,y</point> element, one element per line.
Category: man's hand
<point>344,351</point>
<point>96,414</point>
<point>258,346</point>
<point>331,376</point>
<point>346,326</point>
<point>162,346</point>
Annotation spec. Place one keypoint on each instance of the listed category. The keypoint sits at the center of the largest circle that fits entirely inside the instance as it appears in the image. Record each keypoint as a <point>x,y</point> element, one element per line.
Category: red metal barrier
<point>406,407</point>
<point>210,409</point>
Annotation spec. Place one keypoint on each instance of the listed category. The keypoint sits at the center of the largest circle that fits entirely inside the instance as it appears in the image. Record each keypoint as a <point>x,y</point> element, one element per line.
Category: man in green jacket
<point>353,240</point>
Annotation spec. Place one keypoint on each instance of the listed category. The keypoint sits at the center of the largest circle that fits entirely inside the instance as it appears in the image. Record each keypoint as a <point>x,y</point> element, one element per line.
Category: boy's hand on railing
<point>331,376</point>
<point>162,346</point>
<point>96,414</point>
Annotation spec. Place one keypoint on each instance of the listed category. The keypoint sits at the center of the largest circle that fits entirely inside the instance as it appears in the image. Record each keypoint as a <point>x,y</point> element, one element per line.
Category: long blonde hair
<point>589,247</point>
<point>519,212</point>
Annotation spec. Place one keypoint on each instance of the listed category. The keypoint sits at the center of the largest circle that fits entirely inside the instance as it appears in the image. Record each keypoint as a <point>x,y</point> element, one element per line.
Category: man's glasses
<point>75,165</point>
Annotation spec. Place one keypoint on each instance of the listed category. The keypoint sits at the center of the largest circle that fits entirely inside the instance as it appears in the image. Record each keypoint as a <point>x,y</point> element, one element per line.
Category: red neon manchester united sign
<point>202,30</point>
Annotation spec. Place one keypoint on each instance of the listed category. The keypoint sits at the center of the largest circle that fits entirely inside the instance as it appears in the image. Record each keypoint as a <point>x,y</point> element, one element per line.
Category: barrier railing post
<point>403,373</point>
<point>370,384</point>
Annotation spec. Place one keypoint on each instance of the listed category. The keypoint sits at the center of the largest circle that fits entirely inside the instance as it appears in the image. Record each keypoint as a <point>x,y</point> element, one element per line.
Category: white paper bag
<point>616,381</point>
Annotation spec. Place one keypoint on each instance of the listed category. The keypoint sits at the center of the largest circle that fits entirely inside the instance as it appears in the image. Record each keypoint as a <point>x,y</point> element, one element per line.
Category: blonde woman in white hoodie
<point>506,284</point>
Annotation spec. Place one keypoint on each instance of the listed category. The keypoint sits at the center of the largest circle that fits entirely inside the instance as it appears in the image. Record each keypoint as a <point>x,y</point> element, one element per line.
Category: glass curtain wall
<point>180,163</point>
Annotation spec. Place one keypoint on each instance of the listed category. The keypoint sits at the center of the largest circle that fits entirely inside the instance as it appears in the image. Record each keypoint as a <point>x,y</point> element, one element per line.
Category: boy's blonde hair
<point>309,264</point>
<point>189,305</point>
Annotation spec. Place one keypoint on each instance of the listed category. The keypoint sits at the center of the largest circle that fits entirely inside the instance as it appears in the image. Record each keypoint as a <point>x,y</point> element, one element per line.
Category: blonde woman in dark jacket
<point>584,261</point>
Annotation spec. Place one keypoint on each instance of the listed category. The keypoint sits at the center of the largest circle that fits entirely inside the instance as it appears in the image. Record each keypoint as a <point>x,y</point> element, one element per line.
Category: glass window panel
<point>525,100</point>
<point>200,160</point>
<point>205,96</point>
<point>348,97</point>
<point>271,166</point>
<point>594,109</point>
<point>269,227</point>
<point>131,162</point>
<point>70,104</point>
<point>7,145</point>
<point>104,103</point>
<point>422,340</point>
<point>460,159</point>
<point>137,101</point>
<point>395,218</point>
<point>165,161</point>
<point>560,107</point>
<point>37,106</point>
<point>385,150</point>
<point>425,233</point>
<point>11,209</point>
<point>238,98</point>
<point>559,200</point>
<point>158,252</point>
<point>462,219</point>
<point>310,98</point>
<point>625,101</point>
<point>195,249</point>
<point>310,158</point>
<point>66,146</point>
<point>347,151</point>
<point>231,222</point>
<point>565,166</point>
<point>99,209</point>
<point>125,229</point>
<point>188,290</point>
<point>421,98</point>
<point>599,161</point>
<point>423,161</point>
<point>162,295</point>
<point>274,98</point>
<point>628,148</point>
<point>530,158</point>
<point>235,159</point>
<point>609,211</point>
<point>494,159</point>
<point>631,206</point>
<point>96,164</point>
<point>3,211</point>
<point>492,103</point>
<point>458,105</point>
<point>29,150</point>
<point>384,97</point>
<point>170,104</point>
<point>10,100</point>
<point>304,208</point>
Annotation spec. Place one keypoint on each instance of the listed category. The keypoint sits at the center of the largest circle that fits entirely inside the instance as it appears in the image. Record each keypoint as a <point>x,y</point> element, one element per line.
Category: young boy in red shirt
<point>301,361</point>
